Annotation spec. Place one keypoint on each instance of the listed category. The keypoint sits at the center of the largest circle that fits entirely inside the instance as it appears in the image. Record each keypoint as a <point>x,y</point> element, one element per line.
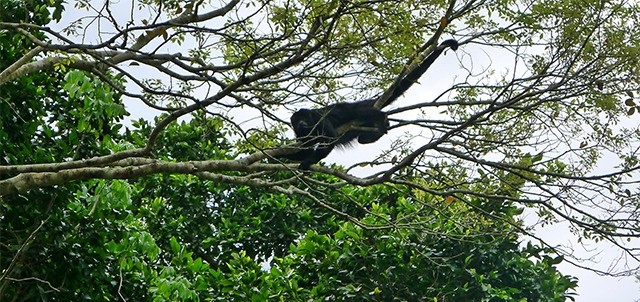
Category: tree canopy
<point>535,113</point>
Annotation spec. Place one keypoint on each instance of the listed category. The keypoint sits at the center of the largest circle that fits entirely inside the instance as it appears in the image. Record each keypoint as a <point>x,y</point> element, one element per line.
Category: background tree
<point>549,128</point>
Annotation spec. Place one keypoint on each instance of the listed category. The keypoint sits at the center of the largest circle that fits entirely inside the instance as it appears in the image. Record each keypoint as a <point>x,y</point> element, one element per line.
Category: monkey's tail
<point>416,73</point>
<point>451,43</point>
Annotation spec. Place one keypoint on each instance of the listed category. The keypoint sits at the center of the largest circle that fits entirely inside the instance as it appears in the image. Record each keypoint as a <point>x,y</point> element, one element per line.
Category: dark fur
<point>317,129</point>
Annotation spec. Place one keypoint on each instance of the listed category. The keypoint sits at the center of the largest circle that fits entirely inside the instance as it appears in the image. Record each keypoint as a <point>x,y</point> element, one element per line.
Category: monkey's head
<point>304,121</point>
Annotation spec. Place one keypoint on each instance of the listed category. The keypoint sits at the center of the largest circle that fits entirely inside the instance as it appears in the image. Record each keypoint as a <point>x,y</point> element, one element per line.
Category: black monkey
<point>317,129</point>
